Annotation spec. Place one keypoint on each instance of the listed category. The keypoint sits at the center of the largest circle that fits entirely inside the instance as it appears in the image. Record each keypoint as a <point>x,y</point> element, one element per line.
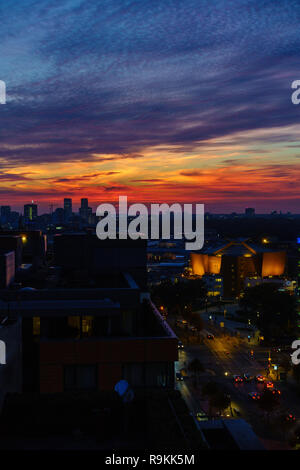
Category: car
<point>254,396</point>
<point>179,376</point>
<point>276,392</point>
<point>260,378</point>
<point>247,377</point>
<point>209,336</point>
<point>290,417</point>
<point>238,379</point>
<point>180,345</point>
<point>269,385</point>
<point>201,416</point>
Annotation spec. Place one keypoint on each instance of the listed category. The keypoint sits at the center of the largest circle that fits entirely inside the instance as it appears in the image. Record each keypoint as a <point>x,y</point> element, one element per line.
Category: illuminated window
<point>36,326</point>
<point>87,324</point>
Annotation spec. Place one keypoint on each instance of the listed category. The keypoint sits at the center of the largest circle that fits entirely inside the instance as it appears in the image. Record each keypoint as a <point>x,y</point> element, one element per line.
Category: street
<point>223,357</point>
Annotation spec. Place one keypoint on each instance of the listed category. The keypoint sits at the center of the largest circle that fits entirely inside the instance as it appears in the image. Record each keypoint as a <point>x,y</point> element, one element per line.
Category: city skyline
<point>160,101</point>
<point>76,205</point>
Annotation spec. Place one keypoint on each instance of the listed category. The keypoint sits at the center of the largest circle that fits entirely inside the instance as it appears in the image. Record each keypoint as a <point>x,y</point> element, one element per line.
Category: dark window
<point>134,374</point>
<point>80,377</point>
<point>151,374</point>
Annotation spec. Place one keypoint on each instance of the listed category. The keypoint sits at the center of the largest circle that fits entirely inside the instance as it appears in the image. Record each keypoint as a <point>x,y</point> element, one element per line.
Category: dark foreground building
<point>88,338</point>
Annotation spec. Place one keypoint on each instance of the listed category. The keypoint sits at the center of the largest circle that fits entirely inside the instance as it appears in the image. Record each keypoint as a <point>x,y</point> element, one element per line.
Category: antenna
<point>51,207</point>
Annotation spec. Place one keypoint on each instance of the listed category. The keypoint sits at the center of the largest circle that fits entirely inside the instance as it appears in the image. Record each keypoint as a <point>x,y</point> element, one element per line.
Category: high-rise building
<point>85,211</point>
<point>249,212</point>
<point>59,216</point>
<point>68,208</point>
<point>30,211</point>
<point>5,214</point>
<point>84,203</point>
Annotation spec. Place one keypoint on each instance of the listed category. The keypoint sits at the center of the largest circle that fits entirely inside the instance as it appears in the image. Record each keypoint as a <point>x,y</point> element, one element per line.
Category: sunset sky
<point>159,100</point>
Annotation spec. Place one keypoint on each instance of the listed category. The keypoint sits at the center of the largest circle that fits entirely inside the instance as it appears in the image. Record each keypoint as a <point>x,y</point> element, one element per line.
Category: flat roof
<point>29,308</point>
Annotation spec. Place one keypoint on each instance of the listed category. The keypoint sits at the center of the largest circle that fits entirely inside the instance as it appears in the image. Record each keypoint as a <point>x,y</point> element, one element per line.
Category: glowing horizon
<point>186,103</point>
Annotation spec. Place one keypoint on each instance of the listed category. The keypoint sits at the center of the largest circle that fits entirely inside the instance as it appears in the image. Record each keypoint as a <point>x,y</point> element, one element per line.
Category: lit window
<point>87,323</point>
<point>36,326</point>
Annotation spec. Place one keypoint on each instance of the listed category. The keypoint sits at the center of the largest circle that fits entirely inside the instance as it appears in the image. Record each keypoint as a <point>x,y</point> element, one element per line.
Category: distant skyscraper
<point>84,203</point>
<point>5,214</point>
<point>59,216</point>
<point>250,212</point>
<point>67,208</point>
<point>30,211</point>
<point>85,211</point>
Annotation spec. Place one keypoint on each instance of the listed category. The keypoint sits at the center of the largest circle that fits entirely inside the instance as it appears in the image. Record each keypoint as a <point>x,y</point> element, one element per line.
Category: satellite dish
<point>124,391</point>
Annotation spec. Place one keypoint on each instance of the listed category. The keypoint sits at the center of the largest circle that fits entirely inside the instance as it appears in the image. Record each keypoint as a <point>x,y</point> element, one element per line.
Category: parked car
<point>201,416</point>
<point>238,379</point>
<point>260,379</point>
<point>179,376</point>
<point>268,385</point>
<point>290,417</point>
<point>247,377</point>
<point>254,396</point>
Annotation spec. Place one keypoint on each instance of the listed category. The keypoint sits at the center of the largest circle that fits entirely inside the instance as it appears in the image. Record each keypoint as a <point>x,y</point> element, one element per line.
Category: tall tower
<point>30,211</point>
<point>5,214</point>
<point>84,203</point>
<point>85,210</point>
<point>67,208</point>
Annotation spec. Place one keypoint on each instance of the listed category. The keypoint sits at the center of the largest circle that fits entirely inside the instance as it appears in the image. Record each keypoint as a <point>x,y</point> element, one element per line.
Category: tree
<point>210,388</point>
<point>268,402</point>
<point>296,373</point>
<point>197,321</point>
<point>285,425</point>
<point>271,310</point>
<point>220,401</point>
<point>195,366</point>
<point>179,297</point>
<point>285,364</point>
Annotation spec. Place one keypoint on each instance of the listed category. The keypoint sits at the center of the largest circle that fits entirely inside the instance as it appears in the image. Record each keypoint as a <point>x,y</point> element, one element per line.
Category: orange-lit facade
<point>237,260</point>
